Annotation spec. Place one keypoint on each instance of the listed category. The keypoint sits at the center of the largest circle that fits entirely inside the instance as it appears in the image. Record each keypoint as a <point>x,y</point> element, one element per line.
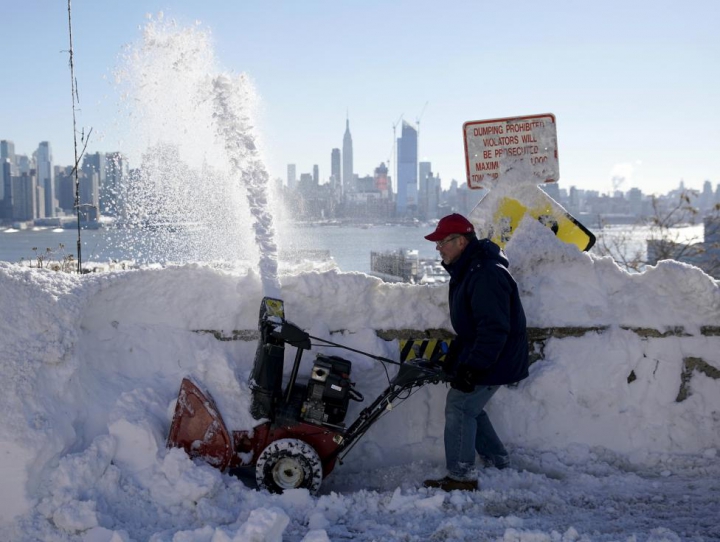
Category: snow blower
<point>301,431</point>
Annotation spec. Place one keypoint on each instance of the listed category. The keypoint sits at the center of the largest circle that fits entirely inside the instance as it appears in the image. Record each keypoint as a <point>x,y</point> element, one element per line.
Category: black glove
<point>451,356</point>
<point>465,380</point>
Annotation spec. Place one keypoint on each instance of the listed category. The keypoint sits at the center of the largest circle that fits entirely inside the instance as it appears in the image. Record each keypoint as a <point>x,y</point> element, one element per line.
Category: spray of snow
<point>200,193</point>
<point>234,125</point>
<point>186,200</point>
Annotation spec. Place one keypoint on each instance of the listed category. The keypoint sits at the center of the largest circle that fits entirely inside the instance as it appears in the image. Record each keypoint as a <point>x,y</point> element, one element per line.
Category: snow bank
<point>91,366</point>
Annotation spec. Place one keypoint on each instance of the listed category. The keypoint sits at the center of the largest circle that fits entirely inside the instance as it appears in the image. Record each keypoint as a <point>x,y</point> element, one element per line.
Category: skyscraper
<point>707,198</point>
<point>347,159</point>
<point>407,190</point>
<point>424,171</point>
<point>46,178</point>
<point>425,186</point>
<point>291,176</point>
<point>381,180</point>
<point>111,194</point>
<point>65,180</point>
<point>22,164</point>
<point>24,191</point>
<point>335,177</point>
<point>433,196</point>
<point>3,163</point>
<point>316,175</point>
<point>96,163</point>
<point>6,202</point>
<point>7,150</point>
<point>7,153</point>
<point>94,167</point>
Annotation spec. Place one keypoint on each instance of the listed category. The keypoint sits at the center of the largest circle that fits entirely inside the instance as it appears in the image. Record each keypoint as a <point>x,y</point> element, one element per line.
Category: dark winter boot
<point>449,484</point>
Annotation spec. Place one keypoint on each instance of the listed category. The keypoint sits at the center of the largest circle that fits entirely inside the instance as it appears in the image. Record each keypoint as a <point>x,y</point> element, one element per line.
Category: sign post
<point>514,149</point>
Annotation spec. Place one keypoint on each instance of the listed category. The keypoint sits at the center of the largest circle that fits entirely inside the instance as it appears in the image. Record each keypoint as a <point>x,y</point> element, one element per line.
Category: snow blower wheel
<point>288,464</point>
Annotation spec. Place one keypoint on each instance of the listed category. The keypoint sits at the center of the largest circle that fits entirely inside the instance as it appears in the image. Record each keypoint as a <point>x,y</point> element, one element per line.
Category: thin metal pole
<point>73,88</point>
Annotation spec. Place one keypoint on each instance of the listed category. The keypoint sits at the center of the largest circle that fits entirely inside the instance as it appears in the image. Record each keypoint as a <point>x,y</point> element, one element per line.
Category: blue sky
<point>633,84</point>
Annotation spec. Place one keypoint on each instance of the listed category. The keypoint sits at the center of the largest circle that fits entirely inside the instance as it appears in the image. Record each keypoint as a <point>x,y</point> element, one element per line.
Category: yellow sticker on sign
<point>510,212</point>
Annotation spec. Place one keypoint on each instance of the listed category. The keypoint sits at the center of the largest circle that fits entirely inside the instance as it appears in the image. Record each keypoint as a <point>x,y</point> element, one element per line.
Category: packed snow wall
<point>626,363</point>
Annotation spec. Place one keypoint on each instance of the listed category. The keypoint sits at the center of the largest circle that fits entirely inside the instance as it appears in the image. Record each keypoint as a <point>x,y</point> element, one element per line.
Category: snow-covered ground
<point>603,447</point>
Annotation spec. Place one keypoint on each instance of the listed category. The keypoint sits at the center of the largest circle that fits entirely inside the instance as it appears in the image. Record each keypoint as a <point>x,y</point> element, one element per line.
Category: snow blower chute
<point>301,429</point>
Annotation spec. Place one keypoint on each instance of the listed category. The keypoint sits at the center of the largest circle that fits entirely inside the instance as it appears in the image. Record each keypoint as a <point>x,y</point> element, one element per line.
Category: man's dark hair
<point>469,236</point>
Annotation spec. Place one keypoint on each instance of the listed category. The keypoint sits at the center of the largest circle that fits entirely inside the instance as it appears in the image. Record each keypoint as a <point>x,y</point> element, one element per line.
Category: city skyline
<point>311,169</point>
<point>631,86</point>
<point>35,190</point>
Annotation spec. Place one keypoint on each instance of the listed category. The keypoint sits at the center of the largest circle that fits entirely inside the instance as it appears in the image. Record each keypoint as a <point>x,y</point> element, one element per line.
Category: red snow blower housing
<point>301,430</point>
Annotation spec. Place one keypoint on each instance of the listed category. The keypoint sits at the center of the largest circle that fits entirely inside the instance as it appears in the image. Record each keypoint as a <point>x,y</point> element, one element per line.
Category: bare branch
<point>665,238</point>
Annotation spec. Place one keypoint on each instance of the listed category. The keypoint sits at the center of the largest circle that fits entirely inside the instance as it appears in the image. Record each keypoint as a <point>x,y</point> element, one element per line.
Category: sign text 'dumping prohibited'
<point>522,149</point>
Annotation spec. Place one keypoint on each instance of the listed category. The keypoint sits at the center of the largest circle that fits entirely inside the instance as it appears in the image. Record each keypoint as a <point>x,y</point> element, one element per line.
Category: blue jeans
<point>468,429</point>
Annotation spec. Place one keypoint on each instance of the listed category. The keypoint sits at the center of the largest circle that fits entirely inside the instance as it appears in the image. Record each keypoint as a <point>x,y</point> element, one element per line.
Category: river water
<point>349,246</point>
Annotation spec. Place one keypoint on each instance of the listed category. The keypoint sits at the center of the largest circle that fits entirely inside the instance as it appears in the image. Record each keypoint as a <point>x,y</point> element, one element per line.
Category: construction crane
<point>420,116</point>
<point>422,184</point>
<point>417,121</point>
<point>393,149</point>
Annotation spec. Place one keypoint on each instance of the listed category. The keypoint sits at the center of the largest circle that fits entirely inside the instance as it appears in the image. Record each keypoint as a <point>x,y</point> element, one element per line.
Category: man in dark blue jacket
<point>490,350</point>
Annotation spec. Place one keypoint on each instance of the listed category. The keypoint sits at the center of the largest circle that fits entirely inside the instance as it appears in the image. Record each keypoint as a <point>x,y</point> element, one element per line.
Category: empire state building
<point>347,158</point>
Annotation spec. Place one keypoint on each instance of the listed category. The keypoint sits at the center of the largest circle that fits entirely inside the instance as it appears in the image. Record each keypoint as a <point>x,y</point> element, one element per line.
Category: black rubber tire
<point>288,464</point>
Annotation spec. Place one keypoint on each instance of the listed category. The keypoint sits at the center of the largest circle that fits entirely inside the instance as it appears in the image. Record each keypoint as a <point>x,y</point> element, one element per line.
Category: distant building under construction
<point>406,266</point>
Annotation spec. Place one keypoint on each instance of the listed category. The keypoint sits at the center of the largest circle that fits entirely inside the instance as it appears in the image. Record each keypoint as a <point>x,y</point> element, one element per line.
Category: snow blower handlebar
<point>272,315</point>
<point>378,358</point>
<point>412,374</point>
<point>289,333</point>
<point>293,335</point>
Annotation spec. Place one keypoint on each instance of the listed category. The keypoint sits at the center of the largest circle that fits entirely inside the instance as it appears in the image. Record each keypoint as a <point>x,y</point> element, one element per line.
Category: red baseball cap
<point>450,224</point>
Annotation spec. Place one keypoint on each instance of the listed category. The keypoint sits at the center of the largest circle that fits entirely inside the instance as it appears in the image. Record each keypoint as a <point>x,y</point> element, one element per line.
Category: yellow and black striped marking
<point>421,348</point>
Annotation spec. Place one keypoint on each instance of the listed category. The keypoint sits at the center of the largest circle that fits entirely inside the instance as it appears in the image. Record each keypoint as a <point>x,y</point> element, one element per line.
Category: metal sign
<point>514,149</point>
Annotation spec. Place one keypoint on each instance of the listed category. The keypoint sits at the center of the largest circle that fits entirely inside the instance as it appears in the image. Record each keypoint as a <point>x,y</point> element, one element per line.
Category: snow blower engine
<point>301,430</point>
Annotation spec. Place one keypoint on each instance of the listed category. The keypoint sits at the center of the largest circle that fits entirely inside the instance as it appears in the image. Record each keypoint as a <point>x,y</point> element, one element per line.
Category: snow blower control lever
<point>301,431</point>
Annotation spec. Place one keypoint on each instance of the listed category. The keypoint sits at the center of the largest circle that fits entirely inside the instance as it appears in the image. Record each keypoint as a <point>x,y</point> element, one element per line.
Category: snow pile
<point>91,366</point>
